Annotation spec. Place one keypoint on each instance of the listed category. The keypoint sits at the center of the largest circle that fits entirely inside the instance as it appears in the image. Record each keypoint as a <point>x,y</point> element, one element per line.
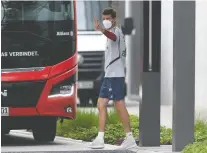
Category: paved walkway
<point>77,146</point>
<point>21,141</point>
<point>161,149</point>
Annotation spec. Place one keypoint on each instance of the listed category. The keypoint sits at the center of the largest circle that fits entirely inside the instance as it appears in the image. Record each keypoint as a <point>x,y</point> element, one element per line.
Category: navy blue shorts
<point>113,88</point>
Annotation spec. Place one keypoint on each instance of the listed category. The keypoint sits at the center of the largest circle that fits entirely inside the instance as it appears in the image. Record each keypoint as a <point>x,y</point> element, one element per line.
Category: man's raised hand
<point>97,25</point>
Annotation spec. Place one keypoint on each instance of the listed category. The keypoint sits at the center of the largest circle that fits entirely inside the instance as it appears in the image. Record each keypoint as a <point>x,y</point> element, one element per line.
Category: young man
<point>113,87</point>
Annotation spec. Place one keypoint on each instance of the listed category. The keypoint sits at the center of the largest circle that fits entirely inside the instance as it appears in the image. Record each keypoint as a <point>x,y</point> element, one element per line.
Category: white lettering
<point>61,33</point>
<point>11,53</point>
<point>4,54</point>
<point>69,110</point>
<point>4,110</point>
<point>28,53</point>
<point>4,93</point>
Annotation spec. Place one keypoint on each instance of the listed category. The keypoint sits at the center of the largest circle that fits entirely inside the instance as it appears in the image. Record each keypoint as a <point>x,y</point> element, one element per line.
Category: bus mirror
<point>128,26</point>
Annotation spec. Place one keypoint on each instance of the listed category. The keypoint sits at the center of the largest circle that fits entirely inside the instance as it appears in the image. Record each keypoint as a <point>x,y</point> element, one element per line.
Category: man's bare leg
<point>102,108</point>
<point>124,117</point>
<point>98,143</point>
<point>123,114</point>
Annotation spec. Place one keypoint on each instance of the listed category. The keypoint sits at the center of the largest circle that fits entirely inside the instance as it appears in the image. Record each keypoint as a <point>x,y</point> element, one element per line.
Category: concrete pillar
<point>167,52</point>
<point>183,73</point>
<point>134,48</point>
<point>150,105</point>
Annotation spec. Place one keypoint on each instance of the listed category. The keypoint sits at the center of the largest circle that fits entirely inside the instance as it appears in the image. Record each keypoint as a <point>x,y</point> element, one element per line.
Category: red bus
<point>39,65</point>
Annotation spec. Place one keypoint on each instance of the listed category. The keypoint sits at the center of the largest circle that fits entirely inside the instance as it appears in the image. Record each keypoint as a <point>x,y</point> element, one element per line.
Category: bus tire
<point>45,130</point>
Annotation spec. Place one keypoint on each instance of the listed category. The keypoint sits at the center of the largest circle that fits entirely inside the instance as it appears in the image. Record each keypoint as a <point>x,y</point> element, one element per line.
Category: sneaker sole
<point>96,147</point>
<point>128,147</point>
<point>131,146</point>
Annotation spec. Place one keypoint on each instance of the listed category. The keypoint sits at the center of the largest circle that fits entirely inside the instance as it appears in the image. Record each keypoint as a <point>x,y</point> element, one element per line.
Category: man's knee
<point>119,104</point>
<point>102,103</point>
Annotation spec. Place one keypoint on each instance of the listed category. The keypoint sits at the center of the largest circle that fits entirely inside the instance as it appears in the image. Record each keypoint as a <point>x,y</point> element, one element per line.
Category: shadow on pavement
<point>11,140</point>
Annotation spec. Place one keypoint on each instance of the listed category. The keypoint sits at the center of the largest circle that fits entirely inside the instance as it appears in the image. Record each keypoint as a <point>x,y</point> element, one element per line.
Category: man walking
<point>113,87</point>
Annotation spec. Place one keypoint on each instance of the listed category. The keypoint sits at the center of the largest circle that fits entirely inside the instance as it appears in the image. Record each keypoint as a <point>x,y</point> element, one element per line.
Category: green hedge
<point>197,147</point>
<point>200,145</point>
<point>200,131</point>
<point>85,127</point>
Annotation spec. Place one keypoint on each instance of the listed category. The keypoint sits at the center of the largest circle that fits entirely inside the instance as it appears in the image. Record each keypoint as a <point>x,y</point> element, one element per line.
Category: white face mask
<point>107,24</point>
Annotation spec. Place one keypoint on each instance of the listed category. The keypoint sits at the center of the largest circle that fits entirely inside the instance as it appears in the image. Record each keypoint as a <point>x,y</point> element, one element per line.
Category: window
<point>36,10</point>
<point>86,11</point>
<point>36,33</point>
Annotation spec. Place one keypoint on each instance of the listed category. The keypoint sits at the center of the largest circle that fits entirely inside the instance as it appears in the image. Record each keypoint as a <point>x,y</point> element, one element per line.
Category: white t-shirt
<point>113,64</point>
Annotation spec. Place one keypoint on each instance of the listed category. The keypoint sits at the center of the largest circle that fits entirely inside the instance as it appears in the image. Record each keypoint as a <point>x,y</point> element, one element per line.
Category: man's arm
<point>109,34</point>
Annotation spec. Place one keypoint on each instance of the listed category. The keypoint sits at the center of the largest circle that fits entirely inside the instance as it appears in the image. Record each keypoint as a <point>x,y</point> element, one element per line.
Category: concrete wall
<point>201,54</point>
<point>167,53</point>
<point>119,6</point>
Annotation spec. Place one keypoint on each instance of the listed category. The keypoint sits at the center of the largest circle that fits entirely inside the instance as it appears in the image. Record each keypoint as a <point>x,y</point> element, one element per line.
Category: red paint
<point>63,66</point>
<point>22,111</point>
<point>51,106</point>
<point>55,106</point>
<point>26,76</point>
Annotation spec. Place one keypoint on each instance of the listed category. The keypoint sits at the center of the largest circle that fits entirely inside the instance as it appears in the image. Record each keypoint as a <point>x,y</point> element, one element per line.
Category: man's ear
<point>114,20</point>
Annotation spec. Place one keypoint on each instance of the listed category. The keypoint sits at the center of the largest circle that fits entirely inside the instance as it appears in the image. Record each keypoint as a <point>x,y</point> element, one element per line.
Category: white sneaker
<point>129,142</point>
<point>98,143</point>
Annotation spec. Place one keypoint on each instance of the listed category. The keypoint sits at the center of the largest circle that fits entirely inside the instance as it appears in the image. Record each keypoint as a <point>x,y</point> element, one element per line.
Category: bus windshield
<point>36,33</point>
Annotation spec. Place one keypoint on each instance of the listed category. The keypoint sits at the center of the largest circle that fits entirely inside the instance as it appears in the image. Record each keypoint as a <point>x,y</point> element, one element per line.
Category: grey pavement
<point>91,151</point>
<point>21,141</point>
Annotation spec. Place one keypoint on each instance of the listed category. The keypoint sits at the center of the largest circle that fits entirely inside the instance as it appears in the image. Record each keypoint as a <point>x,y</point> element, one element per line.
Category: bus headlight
<point>64,88</point>
<point>67,89</point>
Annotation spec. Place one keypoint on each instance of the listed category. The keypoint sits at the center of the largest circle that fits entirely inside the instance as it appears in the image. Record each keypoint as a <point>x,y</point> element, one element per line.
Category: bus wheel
<point>44,130</point>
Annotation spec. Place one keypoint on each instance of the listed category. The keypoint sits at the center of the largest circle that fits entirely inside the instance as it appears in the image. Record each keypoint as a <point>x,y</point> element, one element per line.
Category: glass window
<point>36,10</point>
<point>86,11</point>
<point>36,33</point>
